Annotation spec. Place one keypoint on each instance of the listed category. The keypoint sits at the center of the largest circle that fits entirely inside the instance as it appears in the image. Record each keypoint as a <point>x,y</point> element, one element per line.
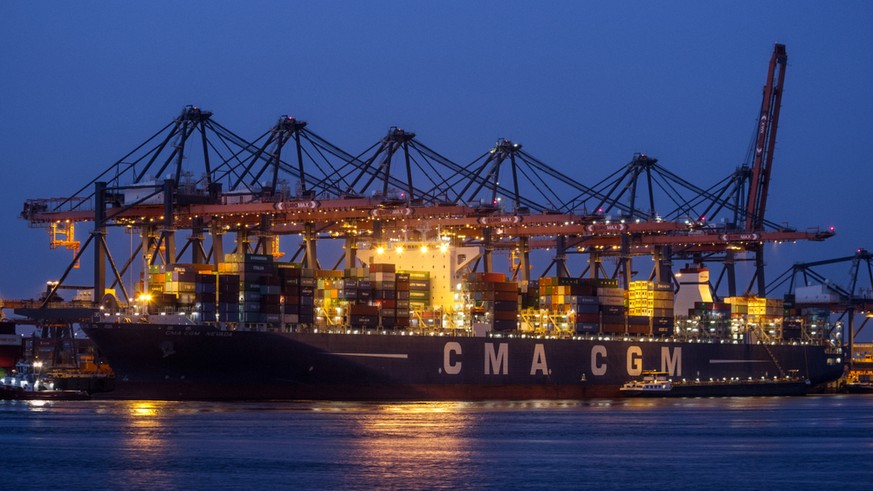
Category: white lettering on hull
<point>598,366</point>
<point>671,363</point>
<point>450,367</point>
<point>496,359</point>
<point>539,361</point>
<point>634,361</point>
<point>497,363</point>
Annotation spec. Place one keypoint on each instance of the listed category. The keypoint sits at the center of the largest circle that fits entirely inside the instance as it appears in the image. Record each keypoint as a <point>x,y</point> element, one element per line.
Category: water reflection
<point>412,444</point>
<point>144,443</point>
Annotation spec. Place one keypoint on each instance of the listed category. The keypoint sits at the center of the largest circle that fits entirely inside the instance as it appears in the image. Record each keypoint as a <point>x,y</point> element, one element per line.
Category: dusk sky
<point>582,85</point>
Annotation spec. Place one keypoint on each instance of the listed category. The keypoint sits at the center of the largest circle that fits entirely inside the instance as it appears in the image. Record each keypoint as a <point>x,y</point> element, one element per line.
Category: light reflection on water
<point>325,445</point>
<point>422,442</point>
<point>144,443</point>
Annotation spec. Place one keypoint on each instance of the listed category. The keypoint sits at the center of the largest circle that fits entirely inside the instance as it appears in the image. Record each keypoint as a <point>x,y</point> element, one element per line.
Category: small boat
<point>27,384</point>
<point>658,384</point>
<point>652,384</point>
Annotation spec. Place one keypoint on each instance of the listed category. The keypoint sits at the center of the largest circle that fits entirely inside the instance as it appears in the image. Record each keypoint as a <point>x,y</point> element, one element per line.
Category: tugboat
<point>27,384</point>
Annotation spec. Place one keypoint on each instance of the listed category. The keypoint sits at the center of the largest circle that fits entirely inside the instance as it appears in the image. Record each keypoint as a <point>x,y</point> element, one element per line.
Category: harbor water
<point>812,442</point>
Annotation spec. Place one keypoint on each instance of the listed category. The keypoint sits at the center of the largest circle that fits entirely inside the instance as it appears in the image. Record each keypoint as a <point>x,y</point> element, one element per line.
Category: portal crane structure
<point>854,299</point>
<point>505,199</point>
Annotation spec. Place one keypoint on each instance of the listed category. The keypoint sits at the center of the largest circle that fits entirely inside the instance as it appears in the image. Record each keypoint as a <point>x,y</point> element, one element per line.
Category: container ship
<point>419,328</point>
<point>418,309</point>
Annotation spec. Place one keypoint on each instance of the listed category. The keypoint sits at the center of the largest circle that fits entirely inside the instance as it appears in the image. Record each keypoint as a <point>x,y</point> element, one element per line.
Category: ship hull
<point>174,362</point>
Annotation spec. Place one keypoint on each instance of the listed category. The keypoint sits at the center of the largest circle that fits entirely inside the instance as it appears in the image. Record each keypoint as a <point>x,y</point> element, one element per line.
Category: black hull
<point>203,363</point>
<point>859,388</point>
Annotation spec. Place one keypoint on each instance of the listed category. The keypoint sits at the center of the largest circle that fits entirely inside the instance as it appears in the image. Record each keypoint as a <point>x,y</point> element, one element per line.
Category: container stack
<point>181,282</point>
<point>383,279</point>
<point>767,313</point>
<point>271,300</point>
<point>651,304</point>
<point>297,288</point>
<point>259,286</point>
<point>363,316</point>
<point>420,302</point>
<point>792,325</point>
<point>765,307</point>
<point>739,306</point>
<point>613,310</point>
<point>206,296</point>
<point>228,297</point>
<point>157,278</point>
<point>530,298</point>
<point>497,298</point>
<point>349,290</point>
<point>161,300</point>
<point>574,297</point>
<point>328,303</point>
<point>173,287</point>
<point>356,273</point>
<point>403,290</point>
<point>714,318</point>
<point>419,290</point>
<point>356,288</point>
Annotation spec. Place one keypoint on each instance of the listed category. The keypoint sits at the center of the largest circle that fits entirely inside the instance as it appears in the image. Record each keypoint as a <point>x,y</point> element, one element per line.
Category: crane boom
<point>765,142</point>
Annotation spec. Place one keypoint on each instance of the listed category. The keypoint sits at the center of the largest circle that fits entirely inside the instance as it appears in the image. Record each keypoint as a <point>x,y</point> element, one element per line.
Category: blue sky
<point>582,85</point>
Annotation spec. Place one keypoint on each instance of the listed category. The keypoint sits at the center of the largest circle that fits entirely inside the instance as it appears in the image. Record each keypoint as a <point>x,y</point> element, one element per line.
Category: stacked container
<point>383,279</point>
<point>714,318</point>
<point>530,298</point>
<point>297,289</point>
<point>356,288</point>
<point>497,298</point>
<point>402,306</point>
<point>328,284</point>
<point>174,287</point>
<point>739,306</point>
<point>419,290</point>
<point>574,297</point>
<point>206,295</point>
<point>228,297</point>
<point>650,304</point>
<point>792,324</point>
<point>259,286</point>
<point>363,316</point>
<point>767,313</point>
<point>181,281</point>
<point>613,311</point>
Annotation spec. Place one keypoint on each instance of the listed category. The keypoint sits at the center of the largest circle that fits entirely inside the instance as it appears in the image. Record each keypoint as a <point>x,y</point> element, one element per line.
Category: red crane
<point>768,123</point>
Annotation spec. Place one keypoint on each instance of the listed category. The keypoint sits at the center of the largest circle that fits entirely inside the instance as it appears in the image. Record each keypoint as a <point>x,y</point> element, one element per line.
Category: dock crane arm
<point>765,143</point>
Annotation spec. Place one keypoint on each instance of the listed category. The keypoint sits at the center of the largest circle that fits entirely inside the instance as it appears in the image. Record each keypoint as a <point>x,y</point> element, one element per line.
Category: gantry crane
<point>242,188</point>
<point>856,298</point>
